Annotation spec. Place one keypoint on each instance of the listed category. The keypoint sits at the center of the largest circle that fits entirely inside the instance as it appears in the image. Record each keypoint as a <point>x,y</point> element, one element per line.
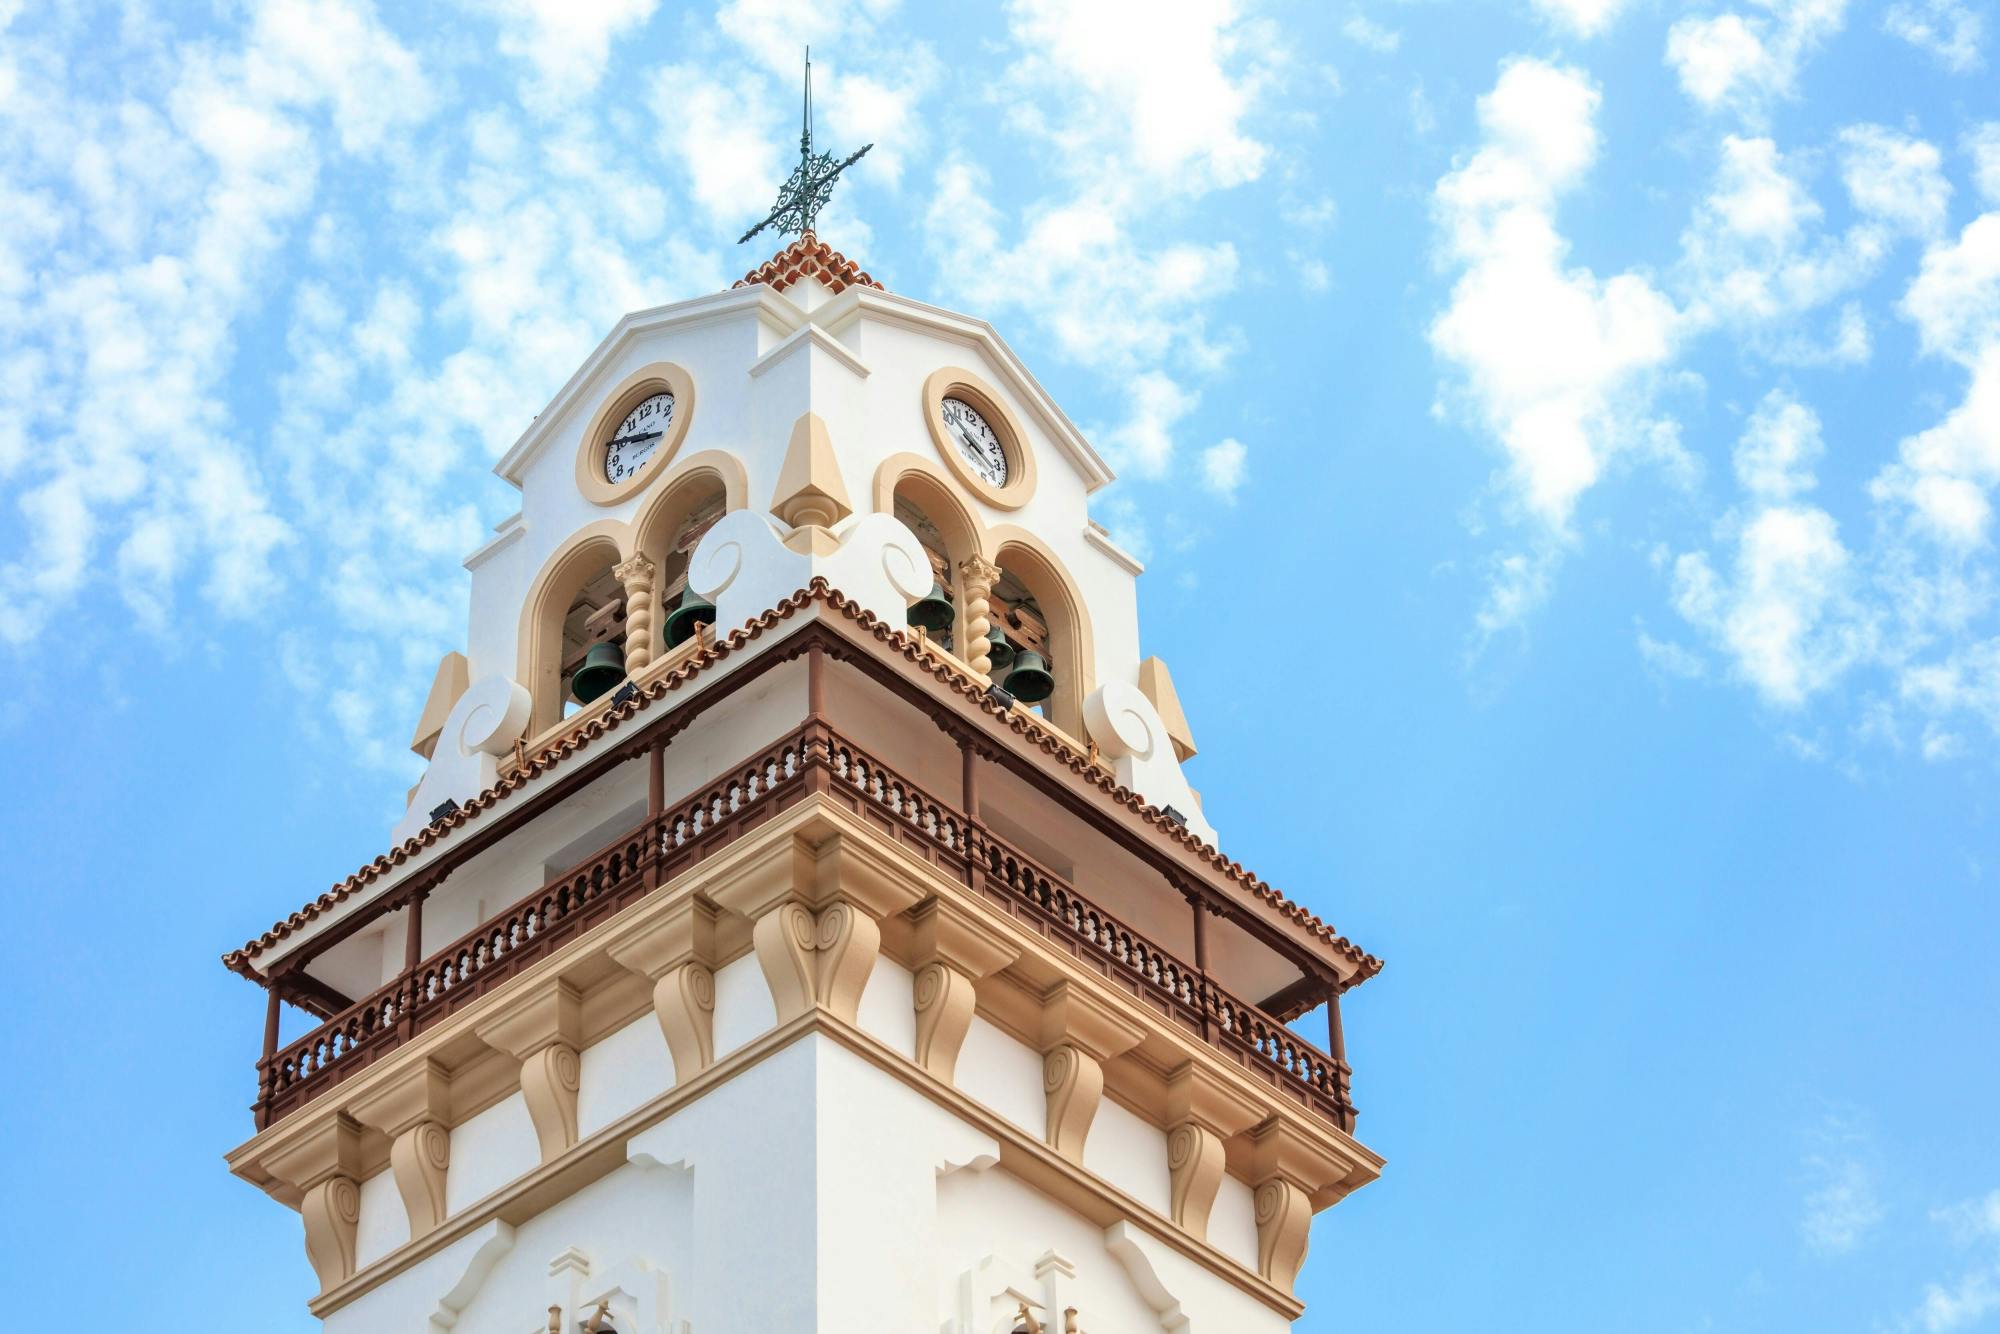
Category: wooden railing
<point>749,794</point>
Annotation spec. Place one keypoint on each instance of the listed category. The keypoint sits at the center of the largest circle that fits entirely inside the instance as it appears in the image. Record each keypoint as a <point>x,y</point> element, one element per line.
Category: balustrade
<point>751,792</point>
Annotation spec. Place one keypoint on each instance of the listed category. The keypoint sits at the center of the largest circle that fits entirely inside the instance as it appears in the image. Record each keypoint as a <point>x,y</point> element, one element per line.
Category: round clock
<point>634,433</point>
<point>979,438</point>
<point>638,437</point>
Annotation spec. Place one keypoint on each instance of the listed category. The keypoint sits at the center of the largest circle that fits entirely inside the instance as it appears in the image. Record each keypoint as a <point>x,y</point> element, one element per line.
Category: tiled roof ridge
<point>912,651</point>
<point>809,256</point>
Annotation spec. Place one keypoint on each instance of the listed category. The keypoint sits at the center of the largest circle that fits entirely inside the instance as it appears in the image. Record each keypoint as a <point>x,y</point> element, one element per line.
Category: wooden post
<point>413,932</point>
<point>656,779</point>
<point>815,683</point>
<point>1336,1041</point>
<point>271,1003</point>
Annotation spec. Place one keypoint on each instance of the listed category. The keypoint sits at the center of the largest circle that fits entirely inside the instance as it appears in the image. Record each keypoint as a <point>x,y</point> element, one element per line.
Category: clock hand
<point>635,439</point>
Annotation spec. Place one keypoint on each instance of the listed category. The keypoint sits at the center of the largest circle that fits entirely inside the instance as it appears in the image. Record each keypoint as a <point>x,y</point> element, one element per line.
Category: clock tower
<point>804,921</point>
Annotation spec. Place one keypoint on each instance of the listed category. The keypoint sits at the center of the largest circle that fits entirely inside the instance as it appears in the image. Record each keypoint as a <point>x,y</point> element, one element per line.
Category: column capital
<point>1202,1095</point>
<point>411,1096</point>
<point>959,935</point>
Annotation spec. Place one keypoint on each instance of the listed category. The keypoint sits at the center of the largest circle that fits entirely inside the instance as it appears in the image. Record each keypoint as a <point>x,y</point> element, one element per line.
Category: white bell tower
<point>804,922</point>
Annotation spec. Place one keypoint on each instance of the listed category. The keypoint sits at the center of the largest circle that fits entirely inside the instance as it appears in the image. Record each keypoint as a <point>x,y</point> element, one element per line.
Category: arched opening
<point>668,534</point>
<point>947,536</point>
<point>578,606</point>
<point>1037,610</point>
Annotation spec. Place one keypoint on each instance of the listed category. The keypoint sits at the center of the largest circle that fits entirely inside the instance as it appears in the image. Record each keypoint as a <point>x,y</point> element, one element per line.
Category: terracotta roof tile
<point>913,651</point>
<point>809,256</point>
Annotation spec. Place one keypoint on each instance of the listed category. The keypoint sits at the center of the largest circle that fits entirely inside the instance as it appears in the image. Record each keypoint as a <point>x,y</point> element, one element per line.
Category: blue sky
<point>1563,435</point>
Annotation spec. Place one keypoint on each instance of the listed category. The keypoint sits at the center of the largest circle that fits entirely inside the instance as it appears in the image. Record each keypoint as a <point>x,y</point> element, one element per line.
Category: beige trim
<point>655,378</point>
<point>951,947</point>
<point>595,546</point>
<point>544,1032</point>
<point>678,957</point>
<point>810,492</point>
<point>1071,640</point>
<point>1156,683</point>
<point>958,382</point>
<point>452,677</point>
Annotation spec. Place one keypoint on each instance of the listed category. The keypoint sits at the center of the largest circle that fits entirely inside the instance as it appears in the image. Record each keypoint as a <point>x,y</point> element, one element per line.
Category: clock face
<point>633,443</point>
<point>976,440</point>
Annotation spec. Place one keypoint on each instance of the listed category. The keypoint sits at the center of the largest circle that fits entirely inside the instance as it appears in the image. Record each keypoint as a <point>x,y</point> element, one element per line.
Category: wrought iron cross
<point>811,183</point>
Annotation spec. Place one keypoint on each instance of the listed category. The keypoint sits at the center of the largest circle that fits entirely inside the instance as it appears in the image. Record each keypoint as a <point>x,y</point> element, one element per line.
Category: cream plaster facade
<point>812,1081</point>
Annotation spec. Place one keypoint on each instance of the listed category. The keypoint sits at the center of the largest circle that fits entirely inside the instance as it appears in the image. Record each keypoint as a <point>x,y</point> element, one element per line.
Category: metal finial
<point>805,193</point>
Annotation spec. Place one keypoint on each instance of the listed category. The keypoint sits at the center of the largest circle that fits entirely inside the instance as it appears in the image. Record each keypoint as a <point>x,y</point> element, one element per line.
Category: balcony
<point>883,726</point>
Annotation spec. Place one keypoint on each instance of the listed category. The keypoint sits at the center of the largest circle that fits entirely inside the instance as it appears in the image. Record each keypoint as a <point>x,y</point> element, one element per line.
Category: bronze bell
<point>603,667</point>
<point>1030,681</point>
<point>933,611</point>
<point>999,652</point>
<point>693,608</point>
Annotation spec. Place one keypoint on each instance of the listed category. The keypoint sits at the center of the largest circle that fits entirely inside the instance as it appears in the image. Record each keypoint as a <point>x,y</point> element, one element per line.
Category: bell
<point>603,667</point>
<point>998,652</point>
<point>693,607</point>
<point>1030,681</point>
<point>933,611</point>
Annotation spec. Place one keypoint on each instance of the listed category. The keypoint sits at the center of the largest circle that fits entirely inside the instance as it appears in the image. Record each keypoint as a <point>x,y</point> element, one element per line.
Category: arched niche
<point>577,584</point>
<point>1027,565</point>
<point>681,507</point>
<point>930,509</point>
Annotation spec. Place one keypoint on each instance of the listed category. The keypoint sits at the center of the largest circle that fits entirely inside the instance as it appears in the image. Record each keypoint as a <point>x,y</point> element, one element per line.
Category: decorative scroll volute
<point>1194,1175</point>
<point>952,946</point>
<point>1284,1222</point>
<point>331,1211</point>
<point>1072,1086</point>
<point>419,1159</point>
<point>1079,1033</point>
<point>412,1108</point>
<point>323,1165</point>
<point>543,1031</point>
<point>784,939</point>
<point>678,956</point>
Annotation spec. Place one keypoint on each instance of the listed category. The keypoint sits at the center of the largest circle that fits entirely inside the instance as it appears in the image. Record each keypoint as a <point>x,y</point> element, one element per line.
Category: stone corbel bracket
<point>543,1030</point>
<point>323,1166</point>
<point>952,946</point>
<point>1289,1167</point>
<point>677,955</point>
<point>1079,1033</point>
<point>414,1110</point>
<point>816,902</point>
<point>1204,1112</point>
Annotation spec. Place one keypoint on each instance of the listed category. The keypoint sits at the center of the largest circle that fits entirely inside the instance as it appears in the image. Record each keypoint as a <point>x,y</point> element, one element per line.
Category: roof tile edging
<point>913,651</point>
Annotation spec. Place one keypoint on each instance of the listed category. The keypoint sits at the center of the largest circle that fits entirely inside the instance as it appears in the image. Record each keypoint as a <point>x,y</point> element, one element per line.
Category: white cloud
<point>1166,86</point>
<point>1222,468</point>
<point>1949,30</point>
<point>1982,144</point>
<point>1585,18</point>
<point>1670,659</point>
<point>1975,1293</point>
<point>1744,60</point>
<point>1842,1209</point>
<point>1894,178</point>
<point>1363,31</point>
<point>1779,449</point>
<point>568,42</point>
<point>1782,614</point>
<point>1555,358</point>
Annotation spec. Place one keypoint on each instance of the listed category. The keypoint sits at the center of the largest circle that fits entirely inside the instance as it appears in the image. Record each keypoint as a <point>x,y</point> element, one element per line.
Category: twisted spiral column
<point>636,577</point>
<point>976,578</point>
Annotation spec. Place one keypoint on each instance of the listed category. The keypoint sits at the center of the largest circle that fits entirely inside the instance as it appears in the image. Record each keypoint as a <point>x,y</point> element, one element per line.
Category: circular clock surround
<point>638,389</point>
<point>955,382</point>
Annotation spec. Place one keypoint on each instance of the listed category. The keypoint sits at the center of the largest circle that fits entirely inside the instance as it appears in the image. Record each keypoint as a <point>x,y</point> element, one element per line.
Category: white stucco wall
<point>621,1072</point>
<point>1004,1075</point>
<point>489,1150</point>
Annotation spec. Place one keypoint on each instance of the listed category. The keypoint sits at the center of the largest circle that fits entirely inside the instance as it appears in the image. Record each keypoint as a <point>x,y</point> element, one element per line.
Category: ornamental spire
<point>811,182</point>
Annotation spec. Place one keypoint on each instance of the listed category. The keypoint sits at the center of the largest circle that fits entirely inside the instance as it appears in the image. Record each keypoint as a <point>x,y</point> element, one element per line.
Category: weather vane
<point>811,183</point>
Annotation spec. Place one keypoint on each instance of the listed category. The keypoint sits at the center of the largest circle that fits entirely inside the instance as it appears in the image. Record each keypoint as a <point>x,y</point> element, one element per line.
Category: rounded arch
<point>911,479</point>
<point>1072,648</point>
<point>587,555</point>
<point>700,487</point>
